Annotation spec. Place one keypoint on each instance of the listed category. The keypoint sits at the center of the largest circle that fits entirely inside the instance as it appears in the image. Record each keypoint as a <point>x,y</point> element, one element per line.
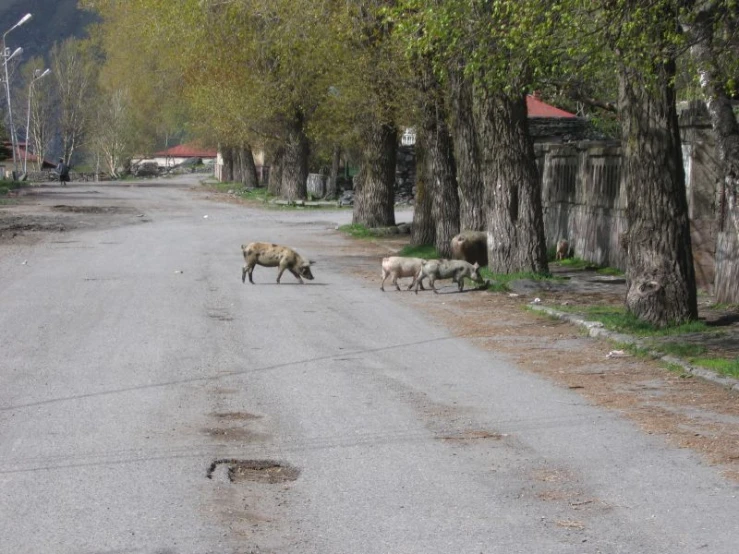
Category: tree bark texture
<point>295,161</point>
<point>227,173</point>
<point>374,185</point>
<point>515,221</point>
<point>247,168</point>
<point>723,120</point>
<point>661,286</point>
<point>466,153</point>
<point>332,184</point>
<point>442,178</point>
<point>274,179</point>
<point>423,231</point>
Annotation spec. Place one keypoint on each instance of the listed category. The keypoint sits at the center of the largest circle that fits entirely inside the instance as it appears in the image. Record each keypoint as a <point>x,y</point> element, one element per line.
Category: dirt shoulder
<point>687,411</point>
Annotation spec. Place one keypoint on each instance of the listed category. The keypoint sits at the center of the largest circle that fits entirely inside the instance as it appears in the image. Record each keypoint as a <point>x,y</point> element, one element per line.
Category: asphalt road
<point>133,360</point>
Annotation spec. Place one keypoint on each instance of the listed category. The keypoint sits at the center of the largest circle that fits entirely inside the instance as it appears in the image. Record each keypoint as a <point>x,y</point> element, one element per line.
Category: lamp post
<point>7,58</point>
<point>37,74</point>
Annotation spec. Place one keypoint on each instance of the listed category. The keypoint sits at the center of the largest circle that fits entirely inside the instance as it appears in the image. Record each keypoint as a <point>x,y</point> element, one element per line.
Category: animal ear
<point>476,264</point>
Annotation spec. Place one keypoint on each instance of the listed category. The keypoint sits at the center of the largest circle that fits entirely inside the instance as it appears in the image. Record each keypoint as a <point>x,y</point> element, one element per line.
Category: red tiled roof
<point>20,154</point>
<point>188,151</point>
<point>537,108</point>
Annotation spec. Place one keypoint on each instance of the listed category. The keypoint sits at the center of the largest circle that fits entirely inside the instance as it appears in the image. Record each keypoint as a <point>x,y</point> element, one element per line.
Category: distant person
<point>63,170</point>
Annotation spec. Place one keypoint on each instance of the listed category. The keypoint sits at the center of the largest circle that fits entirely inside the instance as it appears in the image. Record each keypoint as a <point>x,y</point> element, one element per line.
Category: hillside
<point>53,21</point>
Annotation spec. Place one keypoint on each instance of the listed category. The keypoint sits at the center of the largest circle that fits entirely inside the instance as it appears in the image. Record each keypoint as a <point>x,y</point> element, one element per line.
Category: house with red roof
<point>547,123</point>
<point>6,158</point>
<point>182,152</point>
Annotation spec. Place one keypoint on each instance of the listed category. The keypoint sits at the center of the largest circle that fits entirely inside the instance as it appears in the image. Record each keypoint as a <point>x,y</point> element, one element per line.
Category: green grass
<point>719,365</point>
<point>578,263</point>
<point>426,251</point>
<point>680,350</point>
<point>357,231</point>
<point>7,186</point>
<point>500,282</point>
<point>574,263</point>
<point>616,318</point>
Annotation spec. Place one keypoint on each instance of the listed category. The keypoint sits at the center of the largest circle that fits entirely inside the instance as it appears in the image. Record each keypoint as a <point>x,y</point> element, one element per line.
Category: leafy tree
<point>376,96</point>
<point>660,272</point>
<point>499,46</point>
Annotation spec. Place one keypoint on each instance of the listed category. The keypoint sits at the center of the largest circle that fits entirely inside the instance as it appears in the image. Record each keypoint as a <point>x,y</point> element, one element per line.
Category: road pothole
<point>260,471</point>
<point>232,434</point>
<point>92,209</point>
<point>235,416</point>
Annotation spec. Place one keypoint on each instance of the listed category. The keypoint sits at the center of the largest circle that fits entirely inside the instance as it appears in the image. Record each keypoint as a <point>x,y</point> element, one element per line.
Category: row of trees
<point>85,113</point>
<point>316,77</point>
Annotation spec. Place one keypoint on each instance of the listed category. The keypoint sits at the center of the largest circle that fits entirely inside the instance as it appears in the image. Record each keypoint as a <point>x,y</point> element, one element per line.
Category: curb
<point>596,329</point>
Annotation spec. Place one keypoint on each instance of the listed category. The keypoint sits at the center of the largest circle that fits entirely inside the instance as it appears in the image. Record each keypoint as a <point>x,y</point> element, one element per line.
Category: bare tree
<point>110,138</point>
<point>74,69</point>
<point>40,118</point>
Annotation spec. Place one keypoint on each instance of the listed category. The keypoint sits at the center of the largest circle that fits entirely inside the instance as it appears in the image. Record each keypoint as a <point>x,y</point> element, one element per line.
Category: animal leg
<point>384,276</point>
<point>431,283</point>
<point>296,275</point>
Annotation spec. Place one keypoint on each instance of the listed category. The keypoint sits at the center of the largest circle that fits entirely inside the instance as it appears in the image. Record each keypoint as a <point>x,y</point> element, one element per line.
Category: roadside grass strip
<point>642,339</point>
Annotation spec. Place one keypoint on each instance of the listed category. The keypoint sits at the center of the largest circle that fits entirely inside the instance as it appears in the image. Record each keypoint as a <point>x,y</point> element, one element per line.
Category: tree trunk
<point>442,178</point>
<point>466,153</point>
<point>332,185</point>
<point>515,221</point>
<point>274,183</point>
<point>723,120</point>
<point>248,168</point>
<point>660,273</point>
<point>374,185</point>
<point>424,229</point>
<point>295,161</point>
<point>227,173</point>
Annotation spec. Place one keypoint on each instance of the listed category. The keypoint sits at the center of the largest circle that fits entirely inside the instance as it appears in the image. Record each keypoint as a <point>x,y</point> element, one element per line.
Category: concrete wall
<point>584,199</point>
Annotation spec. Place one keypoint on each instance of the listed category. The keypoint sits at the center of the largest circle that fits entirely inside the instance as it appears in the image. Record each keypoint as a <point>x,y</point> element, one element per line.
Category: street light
<point>6,58</point>
<point>37,74</point>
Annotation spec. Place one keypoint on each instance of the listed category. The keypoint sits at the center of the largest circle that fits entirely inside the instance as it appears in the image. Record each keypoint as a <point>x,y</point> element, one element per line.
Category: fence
<point>584,200</point>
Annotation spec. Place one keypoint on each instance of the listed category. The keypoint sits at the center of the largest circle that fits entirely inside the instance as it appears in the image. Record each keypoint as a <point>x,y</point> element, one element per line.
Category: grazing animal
<point>398,266</point>
<point>456,270</point>
<point>563,249</point>
<point>471,246</point>
<point>274,255</point>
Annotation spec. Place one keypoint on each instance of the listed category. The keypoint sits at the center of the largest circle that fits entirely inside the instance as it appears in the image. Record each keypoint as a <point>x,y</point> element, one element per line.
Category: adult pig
<point>397,267</point>
<point>456,270</point>
<point>274,255</point>
<point>471,246</point>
